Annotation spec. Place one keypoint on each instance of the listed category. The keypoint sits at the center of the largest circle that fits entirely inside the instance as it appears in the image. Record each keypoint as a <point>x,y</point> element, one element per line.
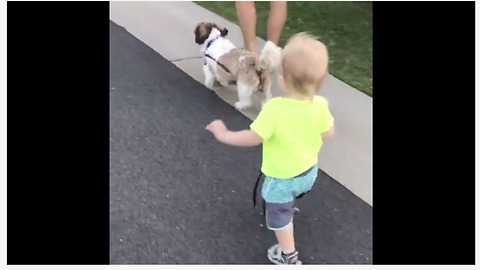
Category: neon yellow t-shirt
<point>292,134</point>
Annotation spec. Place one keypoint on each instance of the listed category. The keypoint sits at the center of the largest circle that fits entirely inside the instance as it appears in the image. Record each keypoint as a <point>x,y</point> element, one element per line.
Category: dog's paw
<point>241,105</point>
<point>209,83</point>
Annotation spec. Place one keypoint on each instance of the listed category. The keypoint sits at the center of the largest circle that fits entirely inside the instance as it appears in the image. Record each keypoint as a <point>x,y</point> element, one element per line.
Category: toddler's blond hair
<point>304,64</point>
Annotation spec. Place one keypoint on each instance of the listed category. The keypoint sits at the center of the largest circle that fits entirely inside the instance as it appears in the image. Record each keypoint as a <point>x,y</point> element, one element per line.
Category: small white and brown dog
<point>226,64</point>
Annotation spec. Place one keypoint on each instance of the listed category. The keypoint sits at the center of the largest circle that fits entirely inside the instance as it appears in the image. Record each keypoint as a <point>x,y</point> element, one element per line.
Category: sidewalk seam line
<point>186,58</point>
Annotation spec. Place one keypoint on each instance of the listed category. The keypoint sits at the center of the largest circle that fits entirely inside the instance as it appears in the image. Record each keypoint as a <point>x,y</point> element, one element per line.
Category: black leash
<point>255,189</point>
<point>255,193</point>
<point>218,63</point>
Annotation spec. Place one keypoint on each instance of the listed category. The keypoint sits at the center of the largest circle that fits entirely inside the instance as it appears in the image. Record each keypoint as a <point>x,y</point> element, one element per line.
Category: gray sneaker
<point>275,255</point>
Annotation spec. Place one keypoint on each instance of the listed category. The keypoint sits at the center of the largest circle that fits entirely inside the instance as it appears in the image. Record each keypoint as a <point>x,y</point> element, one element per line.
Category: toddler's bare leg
<point>286,240</point>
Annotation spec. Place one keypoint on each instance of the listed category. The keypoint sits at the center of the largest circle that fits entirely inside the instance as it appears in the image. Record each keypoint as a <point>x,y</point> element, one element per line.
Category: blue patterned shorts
<point>280,194</point>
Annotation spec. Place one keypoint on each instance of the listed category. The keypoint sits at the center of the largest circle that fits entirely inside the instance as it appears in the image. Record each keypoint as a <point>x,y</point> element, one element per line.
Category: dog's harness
<point>260,79</point>
<point>263,201</point>
<point>259,72</point>
<point>209,56</point>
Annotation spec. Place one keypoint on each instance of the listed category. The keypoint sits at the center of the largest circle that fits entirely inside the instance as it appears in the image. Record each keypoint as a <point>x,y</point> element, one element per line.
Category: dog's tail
<point>264,65</point>
<point>270,57</point>
<point>267,63</point>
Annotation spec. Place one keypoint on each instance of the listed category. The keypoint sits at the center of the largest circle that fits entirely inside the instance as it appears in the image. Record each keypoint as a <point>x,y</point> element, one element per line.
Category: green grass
<point>345,27</point>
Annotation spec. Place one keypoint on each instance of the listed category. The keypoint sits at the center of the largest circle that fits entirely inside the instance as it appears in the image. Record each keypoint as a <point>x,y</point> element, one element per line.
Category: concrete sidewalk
<point>167,27</point>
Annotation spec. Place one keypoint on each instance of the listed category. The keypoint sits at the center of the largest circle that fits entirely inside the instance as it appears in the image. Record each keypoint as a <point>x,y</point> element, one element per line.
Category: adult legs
<point>276,20</point>
<point>247,16</point>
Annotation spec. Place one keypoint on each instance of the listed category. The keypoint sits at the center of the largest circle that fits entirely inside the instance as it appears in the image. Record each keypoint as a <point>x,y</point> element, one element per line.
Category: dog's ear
<point>200,36</point>
<point>223,32</point>
<point>202,31</point>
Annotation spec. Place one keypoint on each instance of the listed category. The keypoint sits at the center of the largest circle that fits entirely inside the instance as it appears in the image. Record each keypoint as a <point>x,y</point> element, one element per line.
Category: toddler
<point>292,129</point>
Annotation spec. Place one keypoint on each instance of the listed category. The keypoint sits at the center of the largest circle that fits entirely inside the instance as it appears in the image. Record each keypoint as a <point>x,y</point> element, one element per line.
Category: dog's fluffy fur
<point>250,71</point>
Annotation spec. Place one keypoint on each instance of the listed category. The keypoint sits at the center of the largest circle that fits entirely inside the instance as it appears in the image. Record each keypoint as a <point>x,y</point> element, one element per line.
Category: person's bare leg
<point>286,240</point>
<point>247,16</point>
<point>276,20</point>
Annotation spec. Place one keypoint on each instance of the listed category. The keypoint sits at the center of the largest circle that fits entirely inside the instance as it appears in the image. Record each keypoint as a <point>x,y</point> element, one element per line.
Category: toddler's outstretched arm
<point>235,138</point>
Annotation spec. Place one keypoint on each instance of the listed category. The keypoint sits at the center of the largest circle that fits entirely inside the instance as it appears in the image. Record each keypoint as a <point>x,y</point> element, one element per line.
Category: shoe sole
<point>274,261</point>
<point>278,263</point>
<point>271,257</point>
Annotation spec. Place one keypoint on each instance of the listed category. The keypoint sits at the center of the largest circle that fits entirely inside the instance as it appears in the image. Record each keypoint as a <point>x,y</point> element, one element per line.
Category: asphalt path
<point>179,197</point>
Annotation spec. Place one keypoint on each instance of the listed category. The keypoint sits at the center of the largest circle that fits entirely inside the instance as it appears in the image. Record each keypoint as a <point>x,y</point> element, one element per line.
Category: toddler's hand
<point>217,127</point>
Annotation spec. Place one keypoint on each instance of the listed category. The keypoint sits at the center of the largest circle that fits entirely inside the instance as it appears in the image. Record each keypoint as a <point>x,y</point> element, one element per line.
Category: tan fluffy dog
<point>225,63</point>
